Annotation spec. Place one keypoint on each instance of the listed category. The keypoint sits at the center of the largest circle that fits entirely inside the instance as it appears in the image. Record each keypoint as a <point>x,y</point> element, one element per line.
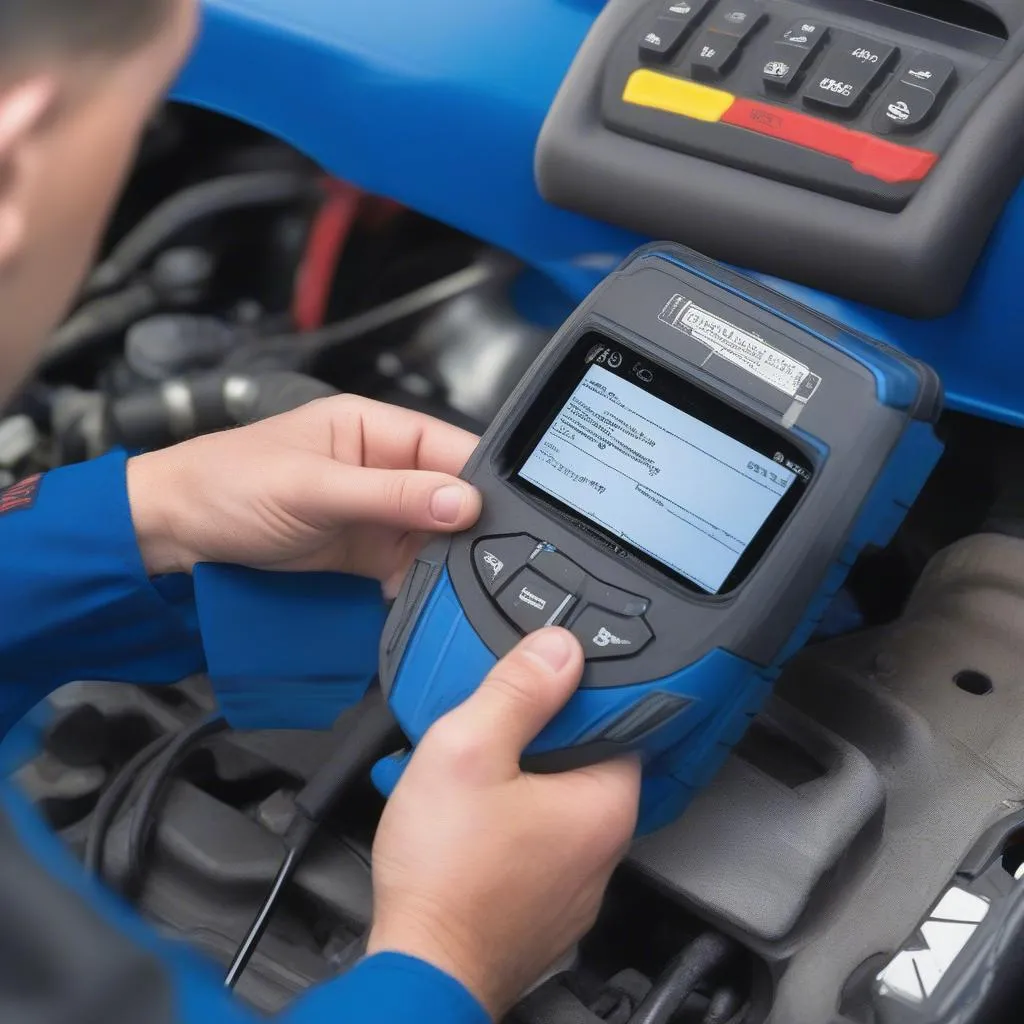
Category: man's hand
<point>342,484</point>
<point>485,872</point>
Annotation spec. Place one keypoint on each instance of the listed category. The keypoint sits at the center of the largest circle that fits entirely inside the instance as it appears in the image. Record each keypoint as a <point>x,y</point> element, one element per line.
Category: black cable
<point>145,809</point>
<point>368,732</point>
<point>695,964</point>
<point>113,796</point>
<point>298,842</point>
<point>98,319</point>
<point>185,209</point>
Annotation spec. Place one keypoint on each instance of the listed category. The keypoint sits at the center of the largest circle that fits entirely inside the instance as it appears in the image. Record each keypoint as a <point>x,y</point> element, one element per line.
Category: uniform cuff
<point>287,650</point>
<point>391,988</point>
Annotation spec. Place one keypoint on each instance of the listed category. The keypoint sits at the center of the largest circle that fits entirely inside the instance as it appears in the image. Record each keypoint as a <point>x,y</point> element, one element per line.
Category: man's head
<point>78,82</point>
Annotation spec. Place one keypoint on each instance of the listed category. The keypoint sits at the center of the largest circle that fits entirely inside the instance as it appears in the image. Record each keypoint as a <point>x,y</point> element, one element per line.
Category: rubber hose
<point>110,802</point>
<point>100,318</point>
<point>188,407</point>
<point>144,814</point>
<point>697,962</point>
<point>188,208</point>
<point>726,1007</point>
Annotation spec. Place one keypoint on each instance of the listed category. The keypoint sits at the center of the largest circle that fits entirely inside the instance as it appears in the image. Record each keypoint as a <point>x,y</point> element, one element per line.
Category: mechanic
<point>482,877</point>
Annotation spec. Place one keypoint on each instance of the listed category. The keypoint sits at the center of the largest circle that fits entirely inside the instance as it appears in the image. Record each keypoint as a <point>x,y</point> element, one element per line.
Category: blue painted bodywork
<point>439,104</point>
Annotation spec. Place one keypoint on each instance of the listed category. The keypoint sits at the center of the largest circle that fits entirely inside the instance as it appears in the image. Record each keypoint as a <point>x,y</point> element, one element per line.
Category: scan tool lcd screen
<point>689,496</point>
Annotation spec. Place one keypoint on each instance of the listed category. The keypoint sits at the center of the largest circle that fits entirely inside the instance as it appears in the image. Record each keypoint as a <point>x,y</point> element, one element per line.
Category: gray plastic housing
<point>846,417</point>
<point>828,884</point>
<point>915,262</point>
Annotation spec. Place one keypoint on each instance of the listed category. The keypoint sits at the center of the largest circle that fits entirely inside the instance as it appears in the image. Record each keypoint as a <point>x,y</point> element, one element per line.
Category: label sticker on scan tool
<point>741,348</point>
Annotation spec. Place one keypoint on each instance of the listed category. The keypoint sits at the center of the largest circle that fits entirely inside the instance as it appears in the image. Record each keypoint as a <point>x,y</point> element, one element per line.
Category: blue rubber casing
<point>687,698</point>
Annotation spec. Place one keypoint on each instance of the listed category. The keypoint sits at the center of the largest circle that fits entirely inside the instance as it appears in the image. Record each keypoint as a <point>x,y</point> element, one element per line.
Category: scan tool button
<point>660,41</point>
<point>713,56</point>
<point>497,559</point>
<point>849,70</point>
<point>622,602</point>
<point>605,635</point>
<point>738,20</point>
<point>805,35</point>
<point>783,66</point>
<point>558,569</point>
<point>532,602</point>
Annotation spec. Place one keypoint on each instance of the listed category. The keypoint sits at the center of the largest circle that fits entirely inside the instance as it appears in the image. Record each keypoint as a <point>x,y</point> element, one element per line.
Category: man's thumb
<point>520,695</point>
<point>412,500</point>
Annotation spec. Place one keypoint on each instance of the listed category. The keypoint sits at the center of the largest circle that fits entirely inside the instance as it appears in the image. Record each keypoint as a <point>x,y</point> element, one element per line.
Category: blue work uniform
<point>77,604</point>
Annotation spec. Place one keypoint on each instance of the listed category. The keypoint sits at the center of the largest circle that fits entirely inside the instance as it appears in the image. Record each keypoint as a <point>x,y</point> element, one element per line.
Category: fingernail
<point>551,646</point>
<point>446,503</point>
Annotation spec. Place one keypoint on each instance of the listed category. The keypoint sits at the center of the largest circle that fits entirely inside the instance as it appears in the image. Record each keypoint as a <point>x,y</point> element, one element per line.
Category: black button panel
<point>533,602</point>
<point>848,71</point>
<point>535,585</point>
<point>835,72</point>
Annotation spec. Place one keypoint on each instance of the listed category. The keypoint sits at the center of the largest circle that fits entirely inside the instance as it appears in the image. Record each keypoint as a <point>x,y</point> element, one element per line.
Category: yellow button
<point>676,96</point>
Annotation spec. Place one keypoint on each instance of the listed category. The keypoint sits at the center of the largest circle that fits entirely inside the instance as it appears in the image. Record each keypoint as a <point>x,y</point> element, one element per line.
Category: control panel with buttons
<point>805,98</point>
<point>534,586</point>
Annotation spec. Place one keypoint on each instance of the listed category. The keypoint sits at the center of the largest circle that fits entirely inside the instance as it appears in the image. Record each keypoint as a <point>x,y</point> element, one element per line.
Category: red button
<point>878,158</point>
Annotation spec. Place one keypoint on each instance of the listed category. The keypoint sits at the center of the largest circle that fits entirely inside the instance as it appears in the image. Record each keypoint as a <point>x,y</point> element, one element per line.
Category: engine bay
<point>868,825</point>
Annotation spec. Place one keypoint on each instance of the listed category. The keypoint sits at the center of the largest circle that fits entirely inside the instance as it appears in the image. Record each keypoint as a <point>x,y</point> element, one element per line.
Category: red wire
<point>328,237</point>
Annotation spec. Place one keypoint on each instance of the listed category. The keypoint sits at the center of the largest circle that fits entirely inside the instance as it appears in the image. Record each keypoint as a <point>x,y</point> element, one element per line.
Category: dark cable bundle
<point>694,966</point>
<point>165,755</point>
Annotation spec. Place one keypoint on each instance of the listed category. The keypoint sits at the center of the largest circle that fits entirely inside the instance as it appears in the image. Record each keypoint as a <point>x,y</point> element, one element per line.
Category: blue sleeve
<point>390,988</point>
<point>77,602</point>
<point>283,650</point>
<point>94,952</point>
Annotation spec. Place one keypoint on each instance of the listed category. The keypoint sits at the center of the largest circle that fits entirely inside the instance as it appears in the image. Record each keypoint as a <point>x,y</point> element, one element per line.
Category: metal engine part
<point>848,812</point>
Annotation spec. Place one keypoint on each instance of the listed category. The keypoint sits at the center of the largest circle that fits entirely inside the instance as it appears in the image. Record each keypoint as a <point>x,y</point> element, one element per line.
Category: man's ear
<point>23,108</point>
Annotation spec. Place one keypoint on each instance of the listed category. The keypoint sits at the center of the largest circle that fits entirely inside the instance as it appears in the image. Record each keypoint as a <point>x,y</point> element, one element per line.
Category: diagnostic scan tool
<point>683,479</point>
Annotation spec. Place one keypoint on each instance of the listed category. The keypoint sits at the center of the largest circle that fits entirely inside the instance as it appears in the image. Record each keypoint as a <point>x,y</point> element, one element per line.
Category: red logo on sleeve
<point>21,495</point>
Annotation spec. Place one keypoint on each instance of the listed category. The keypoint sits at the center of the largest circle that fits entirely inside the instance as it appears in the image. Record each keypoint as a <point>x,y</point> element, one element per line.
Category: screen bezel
<point>667,385</point>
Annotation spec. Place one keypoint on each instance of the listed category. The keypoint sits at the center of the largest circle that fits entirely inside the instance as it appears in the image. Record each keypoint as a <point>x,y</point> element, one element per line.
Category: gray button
<point>533,602</point>
<point>805,35</point>
<point>557,568</point>
<point>497,559</point>
<point>605,635</point>
<point>850,68</point>
<point>660,41</point>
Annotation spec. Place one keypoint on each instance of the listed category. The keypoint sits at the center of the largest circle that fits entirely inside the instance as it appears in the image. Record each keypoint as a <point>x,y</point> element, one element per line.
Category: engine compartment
<point>810,883</point>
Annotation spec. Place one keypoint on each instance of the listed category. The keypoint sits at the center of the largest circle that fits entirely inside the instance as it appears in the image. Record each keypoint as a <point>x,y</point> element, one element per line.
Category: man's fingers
<point>384,436</point>
<point>522,693</point>
<point>409,500</point>
<point>609,793</point>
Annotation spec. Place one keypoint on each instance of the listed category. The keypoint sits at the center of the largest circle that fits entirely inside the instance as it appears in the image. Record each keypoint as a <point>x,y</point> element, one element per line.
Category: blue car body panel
<point>439,105</point>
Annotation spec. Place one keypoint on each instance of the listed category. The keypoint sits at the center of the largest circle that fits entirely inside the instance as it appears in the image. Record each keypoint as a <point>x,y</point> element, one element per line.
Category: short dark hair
<point>86,27</point>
